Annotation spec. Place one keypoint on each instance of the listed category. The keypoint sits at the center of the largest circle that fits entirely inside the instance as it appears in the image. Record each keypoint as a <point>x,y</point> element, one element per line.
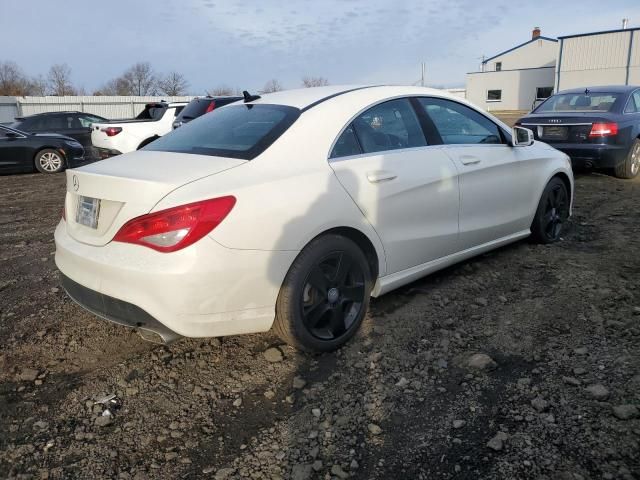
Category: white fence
<point>108,107</point>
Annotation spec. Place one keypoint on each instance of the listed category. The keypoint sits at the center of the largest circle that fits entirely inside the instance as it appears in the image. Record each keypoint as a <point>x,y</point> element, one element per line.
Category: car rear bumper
<point>204,290</point>
<point>590,155</point>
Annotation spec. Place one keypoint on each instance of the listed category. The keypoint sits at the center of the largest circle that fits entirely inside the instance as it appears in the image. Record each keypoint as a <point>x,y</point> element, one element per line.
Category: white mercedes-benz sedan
<point>289,211</point>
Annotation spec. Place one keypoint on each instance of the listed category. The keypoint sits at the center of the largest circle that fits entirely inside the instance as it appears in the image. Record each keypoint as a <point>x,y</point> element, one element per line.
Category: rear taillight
<point>111,131</point>
<point>604,130</point>
<point>211,106</point>
<point>176,228</point>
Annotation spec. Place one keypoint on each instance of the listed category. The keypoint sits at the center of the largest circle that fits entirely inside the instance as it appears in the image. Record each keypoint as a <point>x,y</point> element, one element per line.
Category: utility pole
<point>423,65</point>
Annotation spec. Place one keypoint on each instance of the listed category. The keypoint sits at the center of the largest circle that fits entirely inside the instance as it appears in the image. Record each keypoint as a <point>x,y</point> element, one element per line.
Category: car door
<point>407,189</point>
<point>14,150</point>
<point>494,189</point>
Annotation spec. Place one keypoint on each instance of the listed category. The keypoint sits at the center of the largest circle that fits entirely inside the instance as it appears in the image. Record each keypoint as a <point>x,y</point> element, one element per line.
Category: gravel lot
<point>520,364</point>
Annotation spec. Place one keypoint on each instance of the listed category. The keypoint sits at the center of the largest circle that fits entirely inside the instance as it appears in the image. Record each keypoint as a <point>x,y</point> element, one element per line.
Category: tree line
<point>139,79</point>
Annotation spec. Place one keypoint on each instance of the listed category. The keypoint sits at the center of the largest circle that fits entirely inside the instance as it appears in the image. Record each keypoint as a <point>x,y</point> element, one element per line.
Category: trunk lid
<point>564,128</point>
<point>128,186</point>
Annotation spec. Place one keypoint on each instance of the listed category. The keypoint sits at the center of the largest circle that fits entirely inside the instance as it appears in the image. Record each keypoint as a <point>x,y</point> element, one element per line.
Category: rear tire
<point>631,165</point>
<point>324,296</point>
<point>49,161</point>
<point>552,213</point>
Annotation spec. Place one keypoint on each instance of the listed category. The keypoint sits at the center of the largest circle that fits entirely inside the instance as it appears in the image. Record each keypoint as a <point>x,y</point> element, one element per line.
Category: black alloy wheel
<point>333,296</point>
<point>325,295</point>
<point>552,213</point>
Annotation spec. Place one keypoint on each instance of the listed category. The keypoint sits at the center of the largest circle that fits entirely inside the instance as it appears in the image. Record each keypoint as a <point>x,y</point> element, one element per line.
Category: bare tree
<point>141,79</point>
<point>221,91</point>
<point>38,86</point>
<point>60,80</point>
<point>271,86</point>
<point>309,82</point>
<point>116,86</point>
<point>173,84</point>
<point>12,80</point>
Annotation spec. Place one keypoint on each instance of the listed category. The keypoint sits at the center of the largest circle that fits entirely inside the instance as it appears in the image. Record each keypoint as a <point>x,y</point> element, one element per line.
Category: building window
<point>494,95</point>
<point>542,93</point>
<point>498,66</point>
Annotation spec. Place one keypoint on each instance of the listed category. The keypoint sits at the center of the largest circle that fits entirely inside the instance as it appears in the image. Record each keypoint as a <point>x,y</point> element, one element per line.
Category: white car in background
<point>123,136</point>
<point>290,210</point>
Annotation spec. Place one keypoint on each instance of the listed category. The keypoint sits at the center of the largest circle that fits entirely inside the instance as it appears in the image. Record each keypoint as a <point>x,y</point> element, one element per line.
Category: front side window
<point>389,126</point>
<point>579,102</point>
<point>494,95</point>
<point>459,124</point>
<point>236,131</point>
<point>543,92</point>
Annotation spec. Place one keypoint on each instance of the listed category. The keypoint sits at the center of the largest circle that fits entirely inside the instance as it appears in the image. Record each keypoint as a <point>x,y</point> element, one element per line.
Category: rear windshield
<point>579,102</point>
<point>152,112</point>
<point>195,108</point>
<point>236,131</point>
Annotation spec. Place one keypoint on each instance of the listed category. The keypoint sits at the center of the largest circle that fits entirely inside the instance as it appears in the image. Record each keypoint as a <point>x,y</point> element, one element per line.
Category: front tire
<point>552,213</point>
<point>49,161</point>
<point>631,165</point>
<point>324,296</point>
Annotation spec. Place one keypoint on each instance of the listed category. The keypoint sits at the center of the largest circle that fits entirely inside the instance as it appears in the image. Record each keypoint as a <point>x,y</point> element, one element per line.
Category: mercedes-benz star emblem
<point>76,183</point>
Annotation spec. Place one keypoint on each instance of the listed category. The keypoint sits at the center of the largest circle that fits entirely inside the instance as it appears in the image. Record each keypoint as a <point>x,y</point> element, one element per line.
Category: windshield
<point>579,102</point>
<point>236,131</point>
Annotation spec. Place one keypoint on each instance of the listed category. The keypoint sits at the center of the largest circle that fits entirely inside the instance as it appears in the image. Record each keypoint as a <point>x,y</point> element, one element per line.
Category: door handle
<point>469,159</point>
<point>380,176</point>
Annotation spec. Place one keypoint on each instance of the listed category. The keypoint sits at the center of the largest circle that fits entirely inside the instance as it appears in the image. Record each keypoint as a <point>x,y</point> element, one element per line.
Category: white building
<point>516,78</point>
<point>600,58</point>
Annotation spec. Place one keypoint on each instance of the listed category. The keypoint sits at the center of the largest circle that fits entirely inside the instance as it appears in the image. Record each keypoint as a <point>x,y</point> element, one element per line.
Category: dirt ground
<point>557,399</point>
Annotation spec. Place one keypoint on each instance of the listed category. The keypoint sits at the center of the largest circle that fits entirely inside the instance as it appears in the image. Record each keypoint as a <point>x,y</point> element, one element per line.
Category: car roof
<point>602,89</point>
<point>44,114</point>
<point>305,98</point>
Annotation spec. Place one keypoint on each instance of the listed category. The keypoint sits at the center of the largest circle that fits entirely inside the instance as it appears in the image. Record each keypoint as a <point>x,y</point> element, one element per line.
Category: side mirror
<point>521,137</point>
<point>11,135</point>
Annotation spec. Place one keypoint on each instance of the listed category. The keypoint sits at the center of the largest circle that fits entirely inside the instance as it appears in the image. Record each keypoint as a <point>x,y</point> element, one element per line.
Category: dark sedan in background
<point>46,152</point>
<point>76,125</point>
<point>597,127</point>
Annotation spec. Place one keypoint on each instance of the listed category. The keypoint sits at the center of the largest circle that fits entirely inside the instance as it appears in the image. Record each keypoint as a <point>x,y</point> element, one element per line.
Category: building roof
<point>600,32</point>
<point>521,45</point>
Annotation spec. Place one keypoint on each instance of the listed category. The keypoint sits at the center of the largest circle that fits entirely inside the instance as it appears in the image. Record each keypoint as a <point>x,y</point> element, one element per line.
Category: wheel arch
<point>147,141</point>
<point>567,182</point>
<point>362,241</point>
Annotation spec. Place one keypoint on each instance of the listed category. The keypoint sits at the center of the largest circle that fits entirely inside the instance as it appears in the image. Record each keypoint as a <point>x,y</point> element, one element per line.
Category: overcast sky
<point>244,43</point>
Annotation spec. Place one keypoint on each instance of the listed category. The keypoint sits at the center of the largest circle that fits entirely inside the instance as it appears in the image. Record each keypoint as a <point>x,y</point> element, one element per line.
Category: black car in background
<point>597,127</point>
<point>199,106</point>
<point>45,152</point>
<point>76,125</point>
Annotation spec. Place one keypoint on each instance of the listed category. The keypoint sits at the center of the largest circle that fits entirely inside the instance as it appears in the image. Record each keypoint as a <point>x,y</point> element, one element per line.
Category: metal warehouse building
<point>521,77</point>
<point>599,58</point>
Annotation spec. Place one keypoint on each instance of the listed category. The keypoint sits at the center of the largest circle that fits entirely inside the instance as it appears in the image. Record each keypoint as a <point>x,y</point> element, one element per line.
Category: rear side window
<point>152,111</point>
<point>346,145</point>
<point>196,108</point>
<point>633,104</point>
<point>236,131</point>
<point>459,124</point>
<point>389,126</point>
